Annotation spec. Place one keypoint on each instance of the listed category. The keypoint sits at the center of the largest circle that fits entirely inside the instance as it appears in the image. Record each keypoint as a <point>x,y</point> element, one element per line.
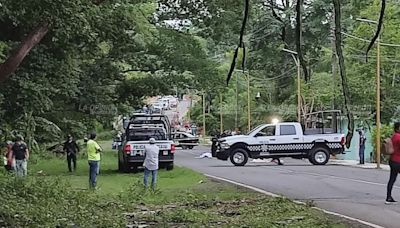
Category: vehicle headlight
<point>225,145</point>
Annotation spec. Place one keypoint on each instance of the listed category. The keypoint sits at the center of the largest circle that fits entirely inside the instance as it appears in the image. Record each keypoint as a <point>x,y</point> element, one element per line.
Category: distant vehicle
<point>282,140</point>
<point>165,103</point>
<point>158,105</point>
<point>185,140</point>
<point>140,129</point>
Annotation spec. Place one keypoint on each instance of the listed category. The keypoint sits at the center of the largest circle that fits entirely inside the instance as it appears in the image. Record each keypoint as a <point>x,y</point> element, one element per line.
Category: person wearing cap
<point>20,152</point>
<point>71,149</point>
<point>151,163</point>
<point>93,151</point>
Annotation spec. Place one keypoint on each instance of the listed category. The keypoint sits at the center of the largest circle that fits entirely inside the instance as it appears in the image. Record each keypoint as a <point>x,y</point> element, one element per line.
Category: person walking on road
<point>151,163</point>
<point>20,153</point>
<point>394,163</point>
<point>71,149</point>
<point>93,151</point>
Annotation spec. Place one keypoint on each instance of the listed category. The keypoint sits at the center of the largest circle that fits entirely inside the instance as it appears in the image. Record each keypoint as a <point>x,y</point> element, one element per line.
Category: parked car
<point>281,140</point>
<point>185,140</point>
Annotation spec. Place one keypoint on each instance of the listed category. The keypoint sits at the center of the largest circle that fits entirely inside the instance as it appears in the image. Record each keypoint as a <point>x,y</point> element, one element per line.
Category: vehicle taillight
<point>173,148</point>
<point>343,141</point>
<point>127,148</point>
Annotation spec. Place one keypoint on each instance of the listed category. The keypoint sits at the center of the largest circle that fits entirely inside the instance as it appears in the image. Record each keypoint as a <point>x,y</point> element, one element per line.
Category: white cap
<point>152,141</point>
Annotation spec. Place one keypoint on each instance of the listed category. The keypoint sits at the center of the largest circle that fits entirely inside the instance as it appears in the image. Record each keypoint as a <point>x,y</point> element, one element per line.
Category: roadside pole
<point>204,115</point>
<point>298,89</point>
<point>378,105</point>
<point>248,104</point>
<point>220,114</point>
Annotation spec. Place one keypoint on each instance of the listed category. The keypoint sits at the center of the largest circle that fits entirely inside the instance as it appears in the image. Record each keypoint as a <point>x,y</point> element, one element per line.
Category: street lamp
<point>378,93</point>
<point>248,100</point>
<point>296,60</point>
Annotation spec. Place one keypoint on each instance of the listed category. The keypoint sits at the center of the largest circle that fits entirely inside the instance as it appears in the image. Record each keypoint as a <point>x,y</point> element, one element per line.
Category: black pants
<point>394,171</point>
<point>71,158</point>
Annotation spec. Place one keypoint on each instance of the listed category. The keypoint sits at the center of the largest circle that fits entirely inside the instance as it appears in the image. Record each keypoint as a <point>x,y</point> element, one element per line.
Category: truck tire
<point>119,166</point>
<point>319,155</point>
<point>191,147</point>
<point>124,167</point>
<point>239,157</point>
<point>170,166</point>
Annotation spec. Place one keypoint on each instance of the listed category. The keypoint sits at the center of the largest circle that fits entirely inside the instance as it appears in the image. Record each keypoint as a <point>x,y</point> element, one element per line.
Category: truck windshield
<point>146,134</point>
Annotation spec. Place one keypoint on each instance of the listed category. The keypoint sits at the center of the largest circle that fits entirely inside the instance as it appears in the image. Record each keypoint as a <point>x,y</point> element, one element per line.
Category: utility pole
<point>297,61</point>
<point>237,102</point>
<point>221,114</point>
<point>378,94</point>
<point>204,115</point>
<point>248,104</point>
<point>378,104</point>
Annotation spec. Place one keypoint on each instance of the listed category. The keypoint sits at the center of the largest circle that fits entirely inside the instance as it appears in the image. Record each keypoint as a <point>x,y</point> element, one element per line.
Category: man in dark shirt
<point>20,153</point>
<point>71,148</point>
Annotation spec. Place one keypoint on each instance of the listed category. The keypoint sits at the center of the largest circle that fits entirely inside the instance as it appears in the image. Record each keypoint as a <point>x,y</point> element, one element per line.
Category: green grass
<point>184,199</point>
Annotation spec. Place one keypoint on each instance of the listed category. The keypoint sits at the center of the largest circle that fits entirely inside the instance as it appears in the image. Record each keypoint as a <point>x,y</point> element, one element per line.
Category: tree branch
<point>339,52</point>
<point>303,64</point>
<point>379,28</point>
<point>242,30</point>
<point>17,55</point>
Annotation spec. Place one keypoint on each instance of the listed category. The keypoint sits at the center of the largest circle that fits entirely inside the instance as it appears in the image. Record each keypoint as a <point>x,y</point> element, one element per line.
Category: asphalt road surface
<point>355,192</point>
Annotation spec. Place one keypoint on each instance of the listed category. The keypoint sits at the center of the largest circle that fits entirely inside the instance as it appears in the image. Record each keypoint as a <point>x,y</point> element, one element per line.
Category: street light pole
<point>204,115</point>
<point>296,60</point>
<point>378,104</point>
<point>220,114</point>
<point>378,94</point>
<point>248,104</point>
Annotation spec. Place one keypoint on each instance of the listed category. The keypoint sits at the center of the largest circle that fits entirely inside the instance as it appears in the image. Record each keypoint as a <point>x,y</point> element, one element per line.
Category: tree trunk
<point>339,51</point>
<point>17,55</point>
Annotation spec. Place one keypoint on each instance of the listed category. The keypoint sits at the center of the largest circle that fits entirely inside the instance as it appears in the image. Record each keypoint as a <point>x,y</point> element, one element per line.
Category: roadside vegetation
<point>52,197</point>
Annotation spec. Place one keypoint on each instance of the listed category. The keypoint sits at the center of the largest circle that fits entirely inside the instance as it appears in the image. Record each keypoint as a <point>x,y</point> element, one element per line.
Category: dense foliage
<point>98,59</point>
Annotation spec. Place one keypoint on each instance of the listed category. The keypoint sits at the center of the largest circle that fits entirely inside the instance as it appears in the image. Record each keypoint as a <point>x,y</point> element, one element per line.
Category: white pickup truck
<point>281,140</point>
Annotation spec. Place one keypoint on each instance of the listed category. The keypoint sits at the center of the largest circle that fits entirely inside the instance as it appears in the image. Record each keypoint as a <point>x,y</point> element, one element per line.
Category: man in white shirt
<point>151,163</point>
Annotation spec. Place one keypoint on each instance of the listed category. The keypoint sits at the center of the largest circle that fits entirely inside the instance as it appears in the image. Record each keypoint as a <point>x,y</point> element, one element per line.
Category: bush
<point>45,202</point>
<point>386,132</point>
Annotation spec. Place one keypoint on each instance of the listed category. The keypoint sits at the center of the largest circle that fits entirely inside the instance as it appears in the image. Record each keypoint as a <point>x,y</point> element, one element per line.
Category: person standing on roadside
<point>71,149</point>
<point>93,151</point>
<point>361,148</point>
<point>20,152</point>
<point>151,163</point>
<point>394,163</point>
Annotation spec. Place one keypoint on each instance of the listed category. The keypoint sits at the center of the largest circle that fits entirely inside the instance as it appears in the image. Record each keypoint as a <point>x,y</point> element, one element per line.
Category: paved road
<point>354,192</point>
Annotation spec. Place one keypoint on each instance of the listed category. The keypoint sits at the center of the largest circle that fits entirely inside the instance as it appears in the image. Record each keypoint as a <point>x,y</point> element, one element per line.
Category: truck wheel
<point>184,147</point>
<point>239,157</point>
<point>135,169</point>
<point>191,147</point>
<point>170,166</point>
<point>319,156</point>
<point>124,167</point>
<point>119,166</point>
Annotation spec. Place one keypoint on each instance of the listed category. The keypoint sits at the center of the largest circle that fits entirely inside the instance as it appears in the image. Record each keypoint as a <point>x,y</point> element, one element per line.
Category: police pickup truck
<point>140,129</point>
<point>281,140</point>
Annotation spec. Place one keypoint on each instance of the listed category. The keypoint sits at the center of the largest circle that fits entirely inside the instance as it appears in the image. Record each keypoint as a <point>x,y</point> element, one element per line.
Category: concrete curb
<point>295,201</point>
<point>354,163</point>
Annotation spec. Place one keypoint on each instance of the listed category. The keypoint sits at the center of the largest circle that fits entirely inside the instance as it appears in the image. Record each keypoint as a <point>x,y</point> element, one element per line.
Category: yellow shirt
<point>92,150</point>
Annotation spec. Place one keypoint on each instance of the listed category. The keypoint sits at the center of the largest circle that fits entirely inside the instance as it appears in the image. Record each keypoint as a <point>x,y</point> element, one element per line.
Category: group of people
<point>16,156</point>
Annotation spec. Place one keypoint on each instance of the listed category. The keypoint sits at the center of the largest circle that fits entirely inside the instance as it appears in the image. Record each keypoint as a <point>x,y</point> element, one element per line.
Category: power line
<point>364,40</point>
